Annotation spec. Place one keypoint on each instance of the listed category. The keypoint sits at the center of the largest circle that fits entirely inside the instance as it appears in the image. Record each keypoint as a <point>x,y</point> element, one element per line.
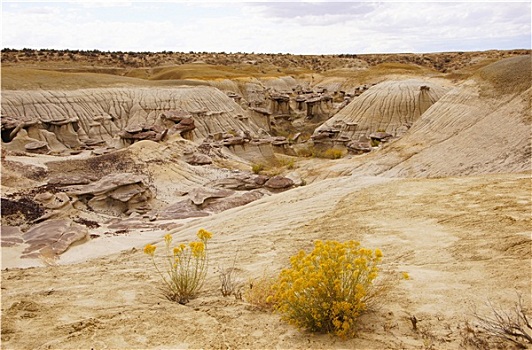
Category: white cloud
<point>297,27</point>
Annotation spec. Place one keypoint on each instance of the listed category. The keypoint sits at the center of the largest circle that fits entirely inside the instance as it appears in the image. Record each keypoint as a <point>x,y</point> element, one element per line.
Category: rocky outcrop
<point>58,205</point>
<point>11,236</point>
<point>387,107</point>
<point>90,117</point>
<point>279,183</point>
<point>246,181</point>
<point>116,194</point>
<point>223,194</point>
<point>203,202</point>
<point>359,147</point>
<point>52,238</point>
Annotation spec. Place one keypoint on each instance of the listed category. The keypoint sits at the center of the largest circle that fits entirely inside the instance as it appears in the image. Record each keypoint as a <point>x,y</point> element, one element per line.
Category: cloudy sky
<point>310,27</point>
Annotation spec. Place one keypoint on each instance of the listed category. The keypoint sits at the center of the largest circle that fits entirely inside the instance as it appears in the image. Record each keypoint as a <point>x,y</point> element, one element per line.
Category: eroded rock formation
<point>116,117</point>
<point>384,111</point>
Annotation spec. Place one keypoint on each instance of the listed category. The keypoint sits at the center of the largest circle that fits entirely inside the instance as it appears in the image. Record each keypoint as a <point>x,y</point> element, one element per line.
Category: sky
<point>302,27</point>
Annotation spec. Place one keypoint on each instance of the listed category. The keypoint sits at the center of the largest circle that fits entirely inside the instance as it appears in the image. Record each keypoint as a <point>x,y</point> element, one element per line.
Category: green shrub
<point>185,267</point>
<point>312,151</point>
<point>306,152</point>
<point>332,153</point>
<point>327,289</point>
<point>257,168</point>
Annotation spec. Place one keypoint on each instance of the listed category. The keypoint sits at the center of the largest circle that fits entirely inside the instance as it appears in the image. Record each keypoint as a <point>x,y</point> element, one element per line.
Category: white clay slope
<point>482,126</point>
<point>391,106</point>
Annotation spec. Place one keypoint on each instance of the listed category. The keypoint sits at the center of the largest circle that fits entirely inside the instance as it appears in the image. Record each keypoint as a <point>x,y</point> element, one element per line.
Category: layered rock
<point>116,194</point>
<point>482,126</point>
<point>223,194</point>
<point>89,117</point>
<point>52,238</point>
<point>391,107</point>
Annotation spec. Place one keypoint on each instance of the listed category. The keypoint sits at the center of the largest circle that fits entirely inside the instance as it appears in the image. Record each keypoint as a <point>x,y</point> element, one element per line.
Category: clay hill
<point>425,156</point>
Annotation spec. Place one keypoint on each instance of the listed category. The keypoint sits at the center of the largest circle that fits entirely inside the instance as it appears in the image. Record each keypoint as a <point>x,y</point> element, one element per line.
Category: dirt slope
<point>456,237</point>
<point>482,126</point>
<point>390,106</point>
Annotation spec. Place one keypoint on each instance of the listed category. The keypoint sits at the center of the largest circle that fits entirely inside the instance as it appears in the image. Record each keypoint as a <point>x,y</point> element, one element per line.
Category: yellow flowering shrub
<point>185,267</point>
<point>327,289</point>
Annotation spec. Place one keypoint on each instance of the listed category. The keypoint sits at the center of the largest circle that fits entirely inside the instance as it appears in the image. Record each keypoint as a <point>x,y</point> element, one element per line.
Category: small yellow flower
<point>150,249</point>
<point>405,275</point>
<point>204,235</point>
<point>168,238</point>
<point>197,248</point>
<point>378,253</point>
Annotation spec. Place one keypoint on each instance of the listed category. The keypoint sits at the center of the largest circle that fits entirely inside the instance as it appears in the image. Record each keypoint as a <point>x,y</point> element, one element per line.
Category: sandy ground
<point>463,241</point>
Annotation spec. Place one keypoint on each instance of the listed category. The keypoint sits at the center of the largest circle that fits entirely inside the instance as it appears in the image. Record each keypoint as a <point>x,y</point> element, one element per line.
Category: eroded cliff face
<point>117,117</point>
<point>386,110</point>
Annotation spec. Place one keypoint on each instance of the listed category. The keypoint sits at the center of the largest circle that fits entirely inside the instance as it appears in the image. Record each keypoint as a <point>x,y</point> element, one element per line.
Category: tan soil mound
<point>473,129</point>
<point>508,76</point>
<point>391,106</point>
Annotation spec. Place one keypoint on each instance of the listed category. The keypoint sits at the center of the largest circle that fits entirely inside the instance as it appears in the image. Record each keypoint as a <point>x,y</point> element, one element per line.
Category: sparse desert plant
<point>185,267</point>
<point>308,151</point>
<point>259,292</point>
<point>289,163</point>
<point>332,153</point>
<point>312,151</point>
<point>230,281</point>
<point>257,168</point>
<point>327,289</point>
<point>375,143</point>
<point>501,326</point>
<point>473,338</point>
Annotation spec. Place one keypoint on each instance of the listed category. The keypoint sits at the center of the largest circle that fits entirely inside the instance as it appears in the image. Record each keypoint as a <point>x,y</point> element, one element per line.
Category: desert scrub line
<point>328,288</point>
<point>184,267</point>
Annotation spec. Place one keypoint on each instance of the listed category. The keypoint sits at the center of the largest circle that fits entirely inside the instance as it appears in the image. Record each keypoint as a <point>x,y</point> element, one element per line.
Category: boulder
<point>52,201</point>
<point>359,147</point>
<point>52,236</point>
<point>115,193</point>
<point>233,141</point>
<point>279,182</point>
<point>197,159</point>
<point>37,147</point>
<point>199,195</point>
<point>241,182</point>
<point>381,136</point>
<point>186,124</point>
<point>67,180</point>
